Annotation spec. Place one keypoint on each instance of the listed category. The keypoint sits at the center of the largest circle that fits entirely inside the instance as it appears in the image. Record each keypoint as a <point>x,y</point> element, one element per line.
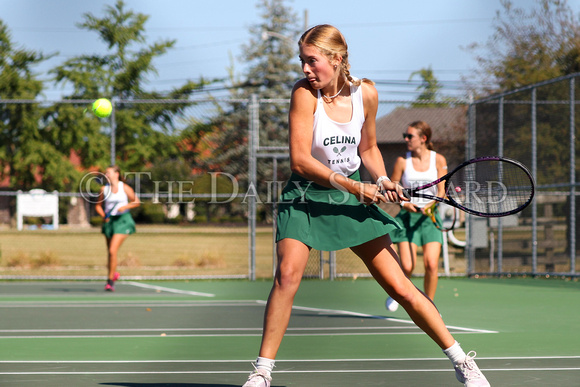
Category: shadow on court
<point>344,316</point>
<point>76,290</point>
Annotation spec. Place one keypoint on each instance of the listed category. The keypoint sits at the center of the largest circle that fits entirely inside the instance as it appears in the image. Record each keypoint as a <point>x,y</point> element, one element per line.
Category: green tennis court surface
<point>206,333</point>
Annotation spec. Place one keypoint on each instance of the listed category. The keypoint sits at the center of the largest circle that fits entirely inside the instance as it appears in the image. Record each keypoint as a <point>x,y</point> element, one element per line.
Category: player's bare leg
<point>431,253</point>
<point>292,259</point>
<point>381,259</point>
<point>113,245</point>
<point>408,259</point>
<point>384,266</point>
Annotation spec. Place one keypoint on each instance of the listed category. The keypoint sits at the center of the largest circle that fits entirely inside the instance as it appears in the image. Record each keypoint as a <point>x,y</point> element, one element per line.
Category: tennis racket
<point>489,186</point>
<point>108,214</point>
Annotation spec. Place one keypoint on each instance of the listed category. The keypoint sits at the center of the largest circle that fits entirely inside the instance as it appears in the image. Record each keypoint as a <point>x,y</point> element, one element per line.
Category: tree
<point>429,88</point>
<point>29,153</point>
<point>145,133</point>
<point>272,57</point>
<point>272,71</point>
<point>273,68</point>
<point>528,46</point>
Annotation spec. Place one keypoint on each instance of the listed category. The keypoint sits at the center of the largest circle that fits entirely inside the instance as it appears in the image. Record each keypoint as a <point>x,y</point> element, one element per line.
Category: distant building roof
<point>446,123</point>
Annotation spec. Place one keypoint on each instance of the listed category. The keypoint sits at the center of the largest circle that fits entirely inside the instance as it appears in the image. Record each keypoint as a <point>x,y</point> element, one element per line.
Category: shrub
<point>150,213</point>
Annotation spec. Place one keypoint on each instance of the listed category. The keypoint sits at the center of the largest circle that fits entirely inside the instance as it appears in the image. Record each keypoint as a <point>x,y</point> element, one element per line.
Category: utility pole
<point>305,20</point>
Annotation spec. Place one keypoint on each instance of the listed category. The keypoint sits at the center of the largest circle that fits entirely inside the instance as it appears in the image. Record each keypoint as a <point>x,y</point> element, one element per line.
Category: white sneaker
<point>468,372</point>
<point>258,378</point>
<point>391,305</point>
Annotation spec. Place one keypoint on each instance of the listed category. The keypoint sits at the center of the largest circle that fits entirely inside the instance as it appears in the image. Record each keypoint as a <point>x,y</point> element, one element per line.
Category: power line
<point>230,27</point>
<point>417,22</point>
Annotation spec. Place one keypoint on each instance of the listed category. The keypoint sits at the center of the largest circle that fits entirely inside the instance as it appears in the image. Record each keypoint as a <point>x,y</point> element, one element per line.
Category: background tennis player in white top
<point>115,200</point>
<point>421,165</point>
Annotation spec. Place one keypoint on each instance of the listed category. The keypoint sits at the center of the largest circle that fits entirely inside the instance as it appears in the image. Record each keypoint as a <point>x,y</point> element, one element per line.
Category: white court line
<point>349,313</point>
<point>281,371</point>
<point>124,304</point>
<point>170,290</point>
<point>236,330</point>
<point>235,335</point>
<point>190,329</point>
<point>282,360</point>
<point>526,369</point>
<point>220,332</point>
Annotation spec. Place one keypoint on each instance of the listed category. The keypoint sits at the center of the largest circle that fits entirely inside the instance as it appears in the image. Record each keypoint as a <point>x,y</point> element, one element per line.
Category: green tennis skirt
<point>417,228</point>
<point>119,224</point>
<point>328,219</point>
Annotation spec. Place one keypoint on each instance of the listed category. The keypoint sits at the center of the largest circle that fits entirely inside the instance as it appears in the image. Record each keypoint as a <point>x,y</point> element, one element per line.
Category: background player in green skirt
<point>115,200</point>
<point>421,165</point>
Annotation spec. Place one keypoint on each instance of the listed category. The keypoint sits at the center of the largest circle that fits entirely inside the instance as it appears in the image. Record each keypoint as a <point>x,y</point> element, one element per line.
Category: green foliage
<point>273,69</point>
<point>28,151</point>
<point>272,52</point>
<point>529,47</point>
<point>17,80</point>
<point>150,213</point>
<point>145,133</point>
<point>214,183</point>
<point>169,176</point>
<point>429,88</point>
<point>171,170</point>
<point>51,147</point>
<point>96,221</point>
<point>41,145</point>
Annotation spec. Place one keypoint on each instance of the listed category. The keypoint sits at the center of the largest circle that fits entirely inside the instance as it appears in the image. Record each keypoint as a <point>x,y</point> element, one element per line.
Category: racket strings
<point>491,187</point>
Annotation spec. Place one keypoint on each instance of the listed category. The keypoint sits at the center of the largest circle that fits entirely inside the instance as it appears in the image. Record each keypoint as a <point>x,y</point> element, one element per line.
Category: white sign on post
<point>36,202</point>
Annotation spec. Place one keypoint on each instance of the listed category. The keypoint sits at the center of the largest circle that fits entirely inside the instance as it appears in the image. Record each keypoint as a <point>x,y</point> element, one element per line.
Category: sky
<point>388,39</point>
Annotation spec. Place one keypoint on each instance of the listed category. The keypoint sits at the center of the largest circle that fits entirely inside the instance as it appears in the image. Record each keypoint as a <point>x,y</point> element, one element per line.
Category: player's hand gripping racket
<point>488,186</point>
<point>108,214</point>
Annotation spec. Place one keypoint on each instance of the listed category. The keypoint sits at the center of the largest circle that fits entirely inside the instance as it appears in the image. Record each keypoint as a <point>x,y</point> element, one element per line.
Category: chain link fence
<point>538,126</point>
<point>235,164</point>
<point>448,121</point>
<point>187,160</point>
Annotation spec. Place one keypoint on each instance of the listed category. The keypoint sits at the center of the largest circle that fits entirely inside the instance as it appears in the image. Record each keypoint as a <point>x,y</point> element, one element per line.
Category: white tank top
<point>413,179</point>
<point>335,144</point>
<point>114,201</point>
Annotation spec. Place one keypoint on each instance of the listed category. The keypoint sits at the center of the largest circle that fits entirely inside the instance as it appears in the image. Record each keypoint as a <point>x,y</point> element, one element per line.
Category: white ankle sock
<point>265,364</point>
<point>455,353</point>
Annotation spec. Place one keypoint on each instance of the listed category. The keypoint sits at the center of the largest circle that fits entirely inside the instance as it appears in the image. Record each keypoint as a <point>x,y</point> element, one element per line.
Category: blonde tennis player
<point>325,206</point>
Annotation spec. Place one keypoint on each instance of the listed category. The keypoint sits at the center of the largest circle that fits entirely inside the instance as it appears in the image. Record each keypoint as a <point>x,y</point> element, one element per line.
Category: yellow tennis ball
<point>102,107</point>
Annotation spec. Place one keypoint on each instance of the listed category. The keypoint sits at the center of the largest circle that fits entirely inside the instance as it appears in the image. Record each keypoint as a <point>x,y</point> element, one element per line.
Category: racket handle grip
<point>406,193</point>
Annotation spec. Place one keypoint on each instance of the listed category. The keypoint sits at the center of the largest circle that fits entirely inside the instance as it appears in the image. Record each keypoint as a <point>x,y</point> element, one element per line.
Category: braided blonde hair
<point>331,43</point>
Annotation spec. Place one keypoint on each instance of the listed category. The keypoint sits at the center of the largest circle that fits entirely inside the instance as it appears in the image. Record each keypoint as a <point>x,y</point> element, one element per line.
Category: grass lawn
<point>153,250</point>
